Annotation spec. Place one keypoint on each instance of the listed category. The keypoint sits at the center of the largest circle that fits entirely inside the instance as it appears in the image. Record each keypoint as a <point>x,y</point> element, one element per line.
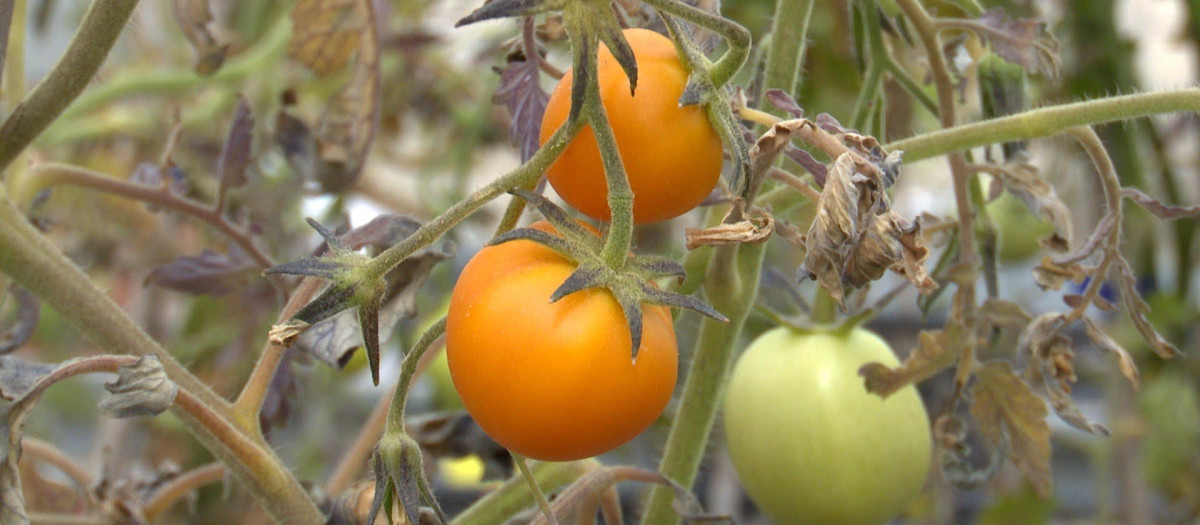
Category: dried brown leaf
<point>326,33</point>
<point>195,18</point>
<point>848,200</point>
<point>750,230</point>
<point>1050,363</point>
<point>1138,310</point>
<point>936,350</point>
<point>1051,275</point>
<point>1014,419</point>
<point>1105,343</point>
<point>1159,208</point>
<point>1023,41</point>
<point>347,127</point>
<point>1022,180</point>
<point>950,438</point>
<point>1004,314</point>
<point>141,389</point>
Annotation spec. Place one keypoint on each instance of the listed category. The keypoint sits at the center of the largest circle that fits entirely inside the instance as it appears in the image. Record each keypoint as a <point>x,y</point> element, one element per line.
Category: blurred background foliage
<point>441,135</point>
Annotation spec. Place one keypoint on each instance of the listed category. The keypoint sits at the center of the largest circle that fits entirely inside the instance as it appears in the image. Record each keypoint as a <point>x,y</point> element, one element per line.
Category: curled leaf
<point>1050,363</point>
<point>1022,180</point>
<point>1052,275</point>
<point>750,230</point>
<point>1014,419</point>
<point>141,389</point>
<point>195,18</point>
<point>1159,208</point>
<point>1022,41</point>
<point>1004,314</point>
<point>1105,343</point>
<point>1138,310</point>
<point>936,350</point>
<point>780,99</point>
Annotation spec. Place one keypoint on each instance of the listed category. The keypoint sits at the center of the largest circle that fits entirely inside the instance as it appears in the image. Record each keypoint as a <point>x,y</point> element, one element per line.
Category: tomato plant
<point>672,155</point>
<point>552,381</point>
<point>810,444</point>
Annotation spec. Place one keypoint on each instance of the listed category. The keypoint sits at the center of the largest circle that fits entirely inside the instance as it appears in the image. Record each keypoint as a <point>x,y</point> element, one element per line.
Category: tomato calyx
<point>631,285</point>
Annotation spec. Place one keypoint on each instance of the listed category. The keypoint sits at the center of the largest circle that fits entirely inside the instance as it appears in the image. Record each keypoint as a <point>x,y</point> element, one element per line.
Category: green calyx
<point>630,285</point>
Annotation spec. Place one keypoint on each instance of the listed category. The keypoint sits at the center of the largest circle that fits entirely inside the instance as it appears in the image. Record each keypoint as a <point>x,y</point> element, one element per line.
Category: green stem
<point>906,81</point>
<point>1044,122</point>
<point>734,34</point>
<point>12,53</point>
<point>824,310</point>
<point>514,496</point>
<point>789,37</point>
<point>619,236</point>
<point>34,262</point>
<point>866,94</point>
<point>534,489</point>
<point>97,33</point>
<point>408,369</point>
<point>732,287</point>
<point>522,176</point>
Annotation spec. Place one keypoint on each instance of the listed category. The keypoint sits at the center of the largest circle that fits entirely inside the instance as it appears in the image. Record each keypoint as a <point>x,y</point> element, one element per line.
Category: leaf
<point>141,389</point>
<point>284,387</point>
<point>1137,309</point>
<point>1004,314</point>
<point>326,33</point>
<point>209,273</point>
<point>1023,41</point>
<point>21,386</point>
<point>1158,208</point>
<point>293,135</point>
<point>1050,363</point>
<point>333,340</point>
<point>936,350</point>
<point>1022,180</point>
<point>785,102</point>
<point>522,94</point>
<point>347,127</point>
<point>1051,275</point>
<point>1014,419</point>
<point>28,312</point>
<point>235,152</point>
<point>954,454</point>
<point>855,238</point>
<point>195,17</point>
<point>1105,343</point>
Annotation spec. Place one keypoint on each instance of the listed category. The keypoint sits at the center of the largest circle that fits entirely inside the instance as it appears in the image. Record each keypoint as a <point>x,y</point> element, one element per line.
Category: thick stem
<point>1044,122</point>
<point>619,236</point>
<point>97,33</point>
<point>31,260</point>
<point>732,288</point>
<point>789,36</point>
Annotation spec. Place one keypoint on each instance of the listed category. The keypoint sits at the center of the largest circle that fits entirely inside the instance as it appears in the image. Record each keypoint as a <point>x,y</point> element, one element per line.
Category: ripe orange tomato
<point>672,155</point>
<point>552,381</point>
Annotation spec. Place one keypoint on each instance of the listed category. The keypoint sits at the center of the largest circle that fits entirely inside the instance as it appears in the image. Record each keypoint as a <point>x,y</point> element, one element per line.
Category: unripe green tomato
<point>1018,229</point>
<point>810,444</point>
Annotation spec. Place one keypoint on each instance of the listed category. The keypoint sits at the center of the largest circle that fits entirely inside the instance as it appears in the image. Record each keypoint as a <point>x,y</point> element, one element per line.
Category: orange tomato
<point>552,381</point>
<point>672,154</point>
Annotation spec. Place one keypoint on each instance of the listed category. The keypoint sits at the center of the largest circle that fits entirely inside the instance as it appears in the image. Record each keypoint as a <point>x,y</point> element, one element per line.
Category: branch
<point>50,454</point>
<point>176,489</point>
<point>97,32</point>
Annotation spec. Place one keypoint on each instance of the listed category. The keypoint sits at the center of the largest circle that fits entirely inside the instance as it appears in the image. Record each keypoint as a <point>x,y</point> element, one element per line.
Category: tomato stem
<point>538,496</point>
<point>789,39</point>
<point>514,496</point>
<point>408,369</point>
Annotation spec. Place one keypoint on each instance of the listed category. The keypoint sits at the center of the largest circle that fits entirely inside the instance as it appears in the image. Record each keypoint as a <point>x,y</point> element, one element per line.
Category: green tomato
<point>810,444</point>
<point>1018,229</point>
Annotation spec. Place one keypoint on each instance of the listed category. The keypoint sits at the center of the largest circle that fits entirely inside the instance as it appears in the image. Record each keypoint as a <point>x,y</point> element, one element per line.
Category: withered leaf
<point>141,389</point>
<point>27,312</point>
<point>521,92</point>
<point>1103,230</point>
<point>855,238</point>
<point>21,386</point>
<point>1004,314</point>
<point>1159,208</point>
<point>1050,363</point>
<point>749,230</point>
<point>808,162</point>
<point>347,127</point>
<point>209,273</point>
<point>1137,309</point>
<point>1051,275</point>
<point>1022,180</point>
<point>283,389</point>
<point>326,33</point>
<point>383,231</point>
<point>195,18</point>
<point>1105,343</point>
<point>235,152</point>
<point>1014,419</point>
<point>1024,42</point>
<point>785,102</point>
<point>951,441</point>
<point>936,350</point>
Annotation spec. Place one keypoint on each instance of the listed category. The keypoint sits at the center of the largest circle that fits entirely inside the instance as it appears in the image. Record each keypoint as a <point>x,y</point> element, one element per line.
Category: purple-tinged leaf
<point>522,94</point>
<point>810,164</point>
<point>1023,41</point>
<point>235,153</point>
<point>209,273</point>
<point>1159,208</point>
<point>784,102</point>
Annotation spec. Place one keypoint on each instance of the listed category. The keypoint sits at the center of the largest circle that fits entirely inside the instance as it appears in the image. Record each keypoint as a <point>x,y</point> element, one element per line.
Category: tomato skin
<point>810,444</point>
<point>672,155</point>
<point>553,381</point>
